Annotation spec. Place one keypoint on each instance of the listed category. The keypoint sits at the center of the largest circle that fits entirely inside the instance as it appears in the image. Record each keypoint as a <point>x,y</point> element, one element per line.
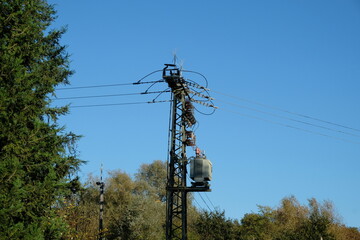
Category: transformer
<point>200,170</point>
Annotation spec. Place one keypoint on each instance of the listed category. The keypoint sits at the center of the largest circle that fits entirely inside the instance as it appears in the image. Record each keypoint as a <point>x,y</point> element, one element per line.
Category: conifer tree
<point>37,156</point>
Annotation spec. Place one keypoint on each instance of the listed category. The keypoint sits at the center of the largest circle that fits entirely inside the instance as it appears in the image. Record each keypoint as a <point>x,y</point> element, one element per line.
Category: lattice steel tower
<point>182,117</point>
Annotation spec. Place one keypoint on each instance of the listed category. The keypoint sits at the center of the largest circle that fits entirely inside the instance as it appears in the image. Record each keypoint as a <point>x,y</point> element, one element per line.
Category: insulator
<point>190,138</point>
<point>189,134</point>
<point>201,95</point>
<point>197,85</point>
<point>190,142</point>
<point>189,117</point>
<point>188,104</point>
<point>203,103</point>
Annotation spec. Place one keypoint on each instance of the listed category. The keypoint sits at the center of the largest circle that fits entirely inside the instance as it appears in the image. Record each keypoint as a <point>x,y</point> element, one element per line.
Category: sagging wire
<point>204,90</point>
<point>203,102</point>
<point>138,82</point>
<point>195,127</point>
<point>161,92</point>
<point>206,81</point>
<point>161,80</point>
<point>209,98</point>
<point>207,114</point>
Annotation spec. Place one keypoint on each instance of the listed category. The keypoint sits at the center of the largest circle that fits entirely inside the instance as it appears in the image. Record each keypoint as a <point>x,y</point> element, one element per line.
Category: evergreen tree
<point>37,156</point>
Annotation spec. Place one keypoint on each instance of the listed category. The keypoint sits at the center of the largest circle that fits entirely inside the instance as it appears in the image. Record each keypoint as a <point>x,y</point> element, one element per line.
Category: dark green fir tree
<point>37,157</point>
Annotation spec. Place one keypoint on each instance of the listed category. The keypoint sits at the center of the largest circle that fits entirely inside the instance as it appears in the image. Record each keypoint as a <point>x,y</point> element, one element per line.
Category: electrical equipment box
<point>200,170</point>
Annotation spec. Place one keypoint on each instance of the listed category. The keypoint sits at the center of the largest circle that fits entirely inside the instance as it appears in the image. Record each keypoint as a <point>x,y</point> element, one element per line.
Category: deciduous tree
<point>215,226</point>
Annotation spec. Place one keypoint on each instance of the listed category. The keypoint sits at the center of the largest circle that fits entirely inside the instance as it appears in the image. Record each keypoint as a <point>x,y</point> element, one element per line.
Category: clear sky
<point>302,56</point>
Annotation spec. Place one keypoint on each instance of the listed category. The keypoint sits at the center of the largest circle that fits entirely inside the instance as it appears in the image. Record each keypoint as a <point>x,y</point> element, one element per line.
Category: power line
<point>290,126</point>
<point>108,95</point>
<point>206,81</point>
<point>200,102</point>
<point>95,86</point>
<point>224,109</point>
<point>139,81</point>
<point>155,82</point>
<point>205,202</point>
<point>114,85</point>
<point>209,200</point>
<point>287,118</point>
<point>286,111</point>
<point>250,116</point>
<point>203,198</point>
<point>117,104</point>
<point>197,203</point>
<point>106,85</point>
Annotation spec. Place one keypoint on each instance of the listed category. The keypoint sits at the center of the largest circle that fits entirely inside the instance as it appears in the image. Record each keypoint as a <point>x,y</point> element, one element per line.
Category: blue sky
<point>298,56</point>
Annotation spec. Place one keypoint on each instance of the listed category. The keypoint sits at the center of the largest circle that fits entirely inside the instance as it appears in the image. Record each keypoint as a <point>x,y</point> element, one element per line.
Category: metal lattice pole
<point>182,117</point>
<point>176,217</point>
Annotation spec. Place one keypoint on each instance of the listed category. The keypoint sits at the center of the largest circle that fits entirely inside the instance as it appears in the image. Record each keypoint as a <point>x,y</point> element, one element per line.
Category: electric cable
<point>208,114</point>
<point>208,99</point>
<point>94,86</point>
<point>290,126</point>
<point>169,139</point>
<point>195,93</point>
<point>209,200</point>
<point>197,203</point>
<point>195,126</point>
<point>138,82</point>
<point>204,202</point>
<point>202,197</point>
<point>252,109</point>
<point>206,81</point>
<point>153,84</point>
<point>193,84</point>
<point>104,85</point>
<point>187,94</point>
<point>287,118</point>
<point>108,95</point>
<point>161,92</point>
<point>116,104</point>
<point>114,85</point>
<point>286,111</point>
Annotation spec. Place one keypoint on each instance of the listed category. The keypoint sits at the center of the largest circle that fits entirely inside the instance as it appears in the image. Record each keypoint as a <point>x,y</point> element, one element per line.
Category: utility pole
<point>182,117</point>
<point>101,185</point>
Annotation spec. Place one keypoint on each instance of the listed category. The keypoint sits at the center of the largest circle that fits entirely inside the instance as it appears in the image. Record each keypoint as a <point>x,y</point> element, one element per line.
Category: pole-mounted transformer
<point>182,118</point>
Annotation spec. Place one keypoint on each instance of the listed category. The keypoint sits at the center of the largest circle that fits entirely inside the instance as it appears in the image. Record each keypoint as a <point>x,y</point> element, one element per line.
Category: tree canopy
<point>41,198</point>
<point>37,156</point>
<point>134,209</point>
